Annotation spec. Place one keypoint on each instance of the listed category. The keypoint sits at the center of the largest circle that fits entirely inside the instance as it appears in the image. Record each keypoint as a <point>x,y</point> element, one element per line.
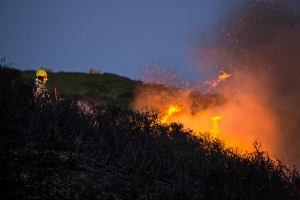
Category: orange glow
<point>171,111</point>
<point>251,78</point>
<point>223,76</point>
<point>237,118</point>
<point>220,78</point>
<point>216,119</point>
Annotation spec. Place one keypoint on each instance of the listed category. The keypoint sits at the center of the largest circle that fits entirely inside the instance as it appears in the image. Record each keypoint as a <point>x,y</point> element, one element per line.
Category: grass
<point>56,150</point>
<point>92,88</point>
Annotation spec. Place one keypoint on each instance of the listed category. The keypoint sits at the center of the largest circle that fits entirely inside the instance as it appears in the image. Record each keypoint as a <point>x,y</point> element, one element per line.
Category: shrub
<point>56,150</point>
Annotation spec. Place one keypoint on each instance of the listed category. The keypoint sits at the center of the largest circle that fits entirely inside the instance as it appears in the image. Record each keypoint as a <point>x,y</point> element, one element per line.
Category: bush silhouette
<point>57,150</point>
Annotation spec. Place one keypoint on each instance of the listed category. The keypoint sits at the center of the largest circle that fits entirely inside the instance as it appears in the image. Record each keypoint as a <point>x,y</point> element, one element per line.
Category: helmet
<point>41,76</point>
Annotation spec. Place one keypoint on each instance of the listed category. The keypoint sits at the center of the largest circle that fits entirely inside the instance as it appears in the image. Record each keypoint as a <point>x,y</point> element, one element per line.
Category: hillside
<point>55,150</point>
<point>93,88</point>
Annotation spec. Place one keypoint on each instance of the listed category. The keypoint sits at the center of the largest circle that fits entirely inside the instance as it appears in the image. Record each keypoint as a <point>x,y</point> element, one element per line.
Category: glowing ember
<point>222,77</point>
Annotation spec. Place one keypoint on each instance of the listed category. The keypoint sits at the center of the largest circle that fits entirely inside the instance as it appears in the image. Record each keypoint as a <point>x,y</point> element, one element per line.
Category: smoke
<point>160,72</point>
<point>251,62</point>
<point>259,45</point>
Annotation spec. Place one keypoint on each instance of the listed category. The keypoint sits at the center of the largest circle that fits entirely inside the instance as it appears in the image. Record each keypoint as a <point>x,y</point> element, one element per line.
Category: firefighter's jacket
<point>40,90</point>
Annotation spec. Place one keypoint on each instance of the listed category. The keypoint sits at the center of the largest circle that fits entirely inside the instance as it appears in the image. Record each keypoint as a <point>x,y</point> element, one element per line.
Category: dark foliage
<point>57,150</point>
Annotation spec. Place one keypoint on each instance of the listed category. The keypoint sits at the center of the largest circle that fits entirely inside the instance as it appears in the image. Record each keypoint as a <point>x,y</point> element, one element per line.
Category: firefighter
<point>41,79</point>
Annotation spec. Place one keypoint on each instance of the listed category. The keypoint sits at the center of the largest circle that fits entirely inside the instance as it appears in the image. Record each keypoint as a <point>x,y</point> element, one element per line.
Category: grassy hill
<point>93,88</point>
<point>100,88</point>
<point>55,150</point>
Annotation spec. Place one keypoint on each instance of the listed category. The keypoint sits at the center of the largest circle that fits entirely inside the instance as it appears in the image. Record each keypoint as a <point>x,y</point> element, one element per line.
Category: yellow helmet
<point>41,76</point>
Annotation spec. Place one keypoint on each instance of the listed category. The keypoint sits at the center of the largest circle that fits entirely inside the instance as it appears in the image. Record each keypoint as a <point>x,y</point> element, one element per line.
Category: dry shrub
<point>54,150</point>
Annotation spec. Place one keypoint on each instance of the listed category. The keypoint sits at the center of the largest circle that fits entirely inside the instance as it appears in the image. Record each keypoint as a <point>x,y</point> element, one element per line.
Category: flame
<point>239,120</point>
<point>222,77</point>
<point>172,109</point>
<point>177,108</point>
<point>216,119</point>
<point>261,85</point>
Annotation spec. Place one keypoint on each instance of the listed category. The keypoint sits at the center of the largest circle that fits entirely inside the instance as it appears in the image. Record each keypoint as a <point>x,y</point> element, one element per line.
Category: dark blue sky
<point>114,36</point>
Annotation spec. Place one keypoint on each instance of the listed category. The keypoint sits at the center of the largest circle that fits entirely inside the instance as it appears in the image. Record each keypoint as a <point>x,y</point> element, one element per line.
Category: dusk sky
<point>258,45</point>
<point>111,35</point>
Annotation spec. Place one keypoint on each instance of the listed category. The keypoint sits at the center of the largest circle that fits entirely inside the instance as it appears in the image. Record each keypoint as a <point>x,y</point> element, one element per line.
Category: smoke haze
<point>259,45</point>
<point>251,61</point>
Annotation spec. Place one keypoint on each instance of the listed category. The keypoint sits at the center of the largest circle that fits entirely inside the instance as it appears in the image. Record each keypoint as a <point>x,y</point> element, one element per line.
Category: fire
<point>172,109</point>
<point>239,119</point>
<point>216,119</point>
<point>212,127</point>
<point>258,74</point>
<point>222,77</point>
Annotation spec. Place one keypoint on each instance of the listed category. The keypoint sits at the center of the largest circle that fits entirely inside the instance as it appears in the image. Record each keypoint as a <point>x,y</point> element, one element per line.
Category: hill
<point>55,150</point>
<point>93,88</point>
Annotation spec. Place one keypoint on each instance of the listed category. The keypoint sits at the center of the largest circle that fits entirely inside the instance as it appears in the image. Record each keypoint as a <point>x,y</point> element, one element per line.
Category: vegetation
<point>91,88</point>
<point>57,150</point>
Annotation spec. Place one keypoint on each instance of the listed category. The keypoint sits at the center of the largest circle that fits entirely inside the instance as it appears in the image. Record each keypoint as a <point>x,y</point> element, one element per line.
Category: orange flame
<point>214,83</point>
<point>216,119</point>
<point>224,76</point>
<point>214,124</point>
<point>172,109</point>
<point>244,117</point>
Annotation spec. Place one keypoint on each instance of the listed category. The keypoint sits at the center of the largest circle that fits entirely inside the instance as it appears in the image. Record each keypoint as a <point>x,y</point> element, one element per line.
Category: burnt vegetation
<point>56,150</point>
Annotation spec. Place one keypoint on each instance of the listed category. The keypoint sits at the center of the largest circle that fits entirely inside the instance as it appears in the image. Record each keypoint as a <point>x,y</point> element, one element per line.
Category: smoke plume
<point>259,45</point>
<point>251,91</point>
